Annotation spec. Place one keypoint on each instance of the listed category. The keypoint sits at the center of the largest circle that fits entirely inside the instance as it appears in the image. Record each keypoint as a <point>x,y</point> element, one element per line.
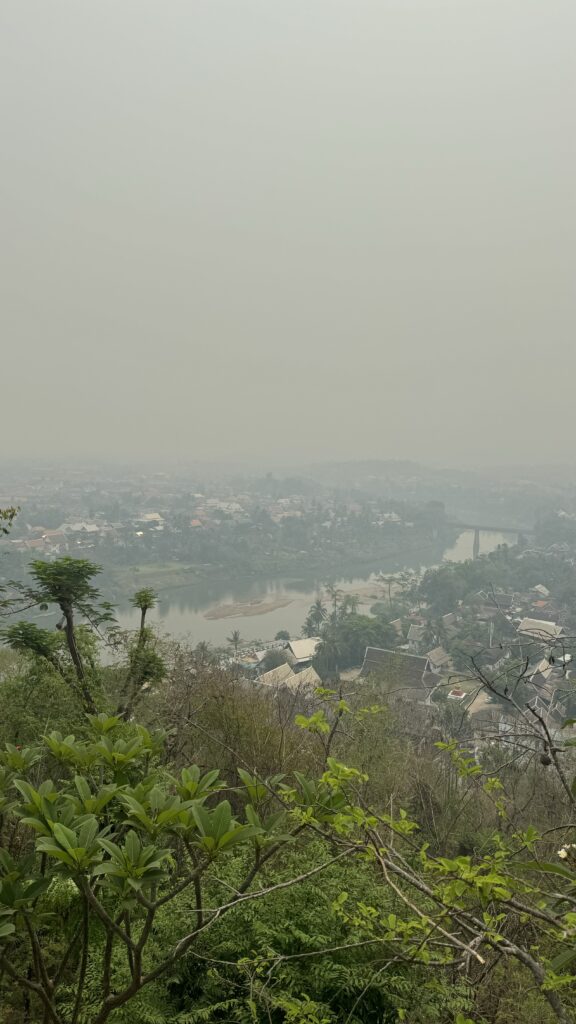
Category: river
<point>210,610</point>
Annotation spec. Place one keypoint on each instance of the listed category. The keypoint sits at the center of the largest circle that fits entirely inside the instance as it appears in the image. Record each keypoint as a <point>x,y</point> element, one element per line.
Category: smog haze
<point>316,229</point>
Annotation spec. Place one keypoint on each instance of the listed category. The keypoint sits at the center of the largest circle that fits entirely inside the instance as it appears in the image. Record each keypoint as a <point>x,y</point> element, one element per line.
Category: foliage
<point>269,857</point>
<point>345,639</point>
<point>7,517</point>
<point>234,640</point>
<point>127,838</point>
<point>144,599</point>
<point>273,659</point>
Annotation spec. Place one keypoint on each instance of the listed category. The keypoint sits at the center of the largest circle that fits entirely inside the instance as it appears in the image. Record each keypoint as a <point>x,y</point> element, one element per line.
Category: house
<point>450,619</point>
<point>397,626</point>
<point>278,676</point>
<point>487,723</point>
<point>539,629</point>
<point>494,658</point>
<point>408,674</point>
<point>492,601</point>
<point>456,693</point>
<point>482,657</point>
<point>308,677</point>
<point>79,528</point>
<point>414,638</point>
<point>284,676</point>
<point>439,660</point>
<point>541,590</point>
<point>301,652</point>
<point>152,520</point>
<point>451,632</point>
<point>550,702</point>
<point>542,673</point>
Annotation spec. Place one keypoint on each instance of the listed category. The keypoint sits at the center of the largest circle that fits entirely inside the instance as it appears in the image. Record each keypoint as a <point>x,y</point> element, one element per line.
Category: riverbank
<point>119,582</point>
<point>200,606</point>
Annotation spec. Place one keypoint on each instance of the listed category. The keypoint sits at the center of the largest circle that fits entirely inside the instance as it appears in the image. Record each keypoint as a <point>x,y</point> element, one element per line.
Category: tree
<point>273,659</point>
<point>317,614</point>
<point>203,652</point>
<point>349,604</point>
<point>282,634</point>
<point>129,843</point>
<point>7,517</point>
<point>145,600</point>
<point>387,581</point>
<point>145,665</point>
<point>234,640</point>
<point>29,638</point>
<point>335,595</point>
<point>309,628</point>
<point>65,582</point>
<point>344,642</point>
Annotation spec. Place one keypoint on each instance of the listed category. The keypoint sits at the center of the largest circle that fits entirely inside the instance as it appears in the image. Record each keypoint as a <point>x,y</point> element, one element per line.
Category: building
<point>301,652</point>
<point>439,660</point>
<point>409,675</point>
<point>284,676</point>
<point>539,629</point>
<point>151,520</point>
<point>414,638</point>
<point>81,528</point>
<point>278,676</point>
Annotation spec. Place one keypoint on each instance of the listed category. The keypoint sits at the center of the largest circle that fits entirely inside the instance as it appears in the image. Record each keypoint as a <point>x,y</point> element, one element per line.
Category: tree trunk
<point>77,660</point>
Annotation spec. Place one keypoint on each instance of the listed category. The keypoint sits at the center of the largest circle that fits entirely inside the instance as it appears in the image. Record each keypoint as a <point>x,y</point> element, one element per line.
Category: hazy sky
<point>288,228</point>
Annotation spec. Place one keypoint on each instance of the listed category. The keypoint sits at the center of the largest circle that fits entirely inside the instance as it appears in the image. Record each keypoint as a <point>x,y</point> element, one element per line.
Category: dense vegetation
<point>178,845</point>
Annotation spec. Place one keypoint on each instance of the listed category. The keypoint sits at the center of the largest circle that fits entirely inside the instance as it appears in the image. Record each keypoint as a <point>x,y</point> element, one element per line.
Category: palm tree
<point>317,613</point>
<point>328,656</point>
<point>334,594</point>
<point>309,628</point>
<point>203,652</point>
<point>349,604</point>
<point>387,581</point>
<point>144,599</point>
<point>234,640</point>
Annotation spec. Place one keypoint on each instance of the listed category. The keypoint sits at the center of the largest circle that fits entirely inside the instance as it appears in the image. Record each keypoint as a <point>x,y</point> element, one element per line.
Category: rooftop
<point>304,650</point>
<point>409,671</point>
<point>278,676</point>
<point>438,656</point>
<point>540,629</point>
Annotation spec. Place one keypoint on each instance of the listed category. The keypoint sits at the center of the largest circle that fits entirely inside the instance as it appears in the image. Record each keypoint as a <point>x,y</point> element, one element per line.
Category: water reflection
<point>182,611</point>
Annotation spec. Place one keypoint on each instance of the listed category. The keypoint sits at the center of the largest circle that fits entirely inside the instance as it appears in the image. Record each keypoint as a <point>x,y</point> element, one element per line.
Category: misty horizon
<point>288,234</point>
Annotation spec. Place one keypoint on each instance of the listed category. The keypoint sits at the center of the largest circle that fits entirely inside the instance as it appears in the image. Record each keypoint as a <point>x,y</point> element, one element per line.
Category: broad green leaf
<point>563,960</point>
<point>221,818</point>
<point>133,847</point>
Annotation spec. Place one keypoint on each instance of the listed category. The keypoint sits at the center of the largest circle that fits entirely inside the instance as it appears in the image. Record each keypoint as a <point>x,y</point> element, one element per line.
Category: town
<point>453,639</point>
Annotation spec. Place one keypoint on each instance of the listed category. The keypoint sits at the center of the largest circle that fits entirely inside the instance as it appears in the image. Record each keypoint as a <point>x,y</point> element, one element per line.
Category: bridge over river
<point>478,529</point>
